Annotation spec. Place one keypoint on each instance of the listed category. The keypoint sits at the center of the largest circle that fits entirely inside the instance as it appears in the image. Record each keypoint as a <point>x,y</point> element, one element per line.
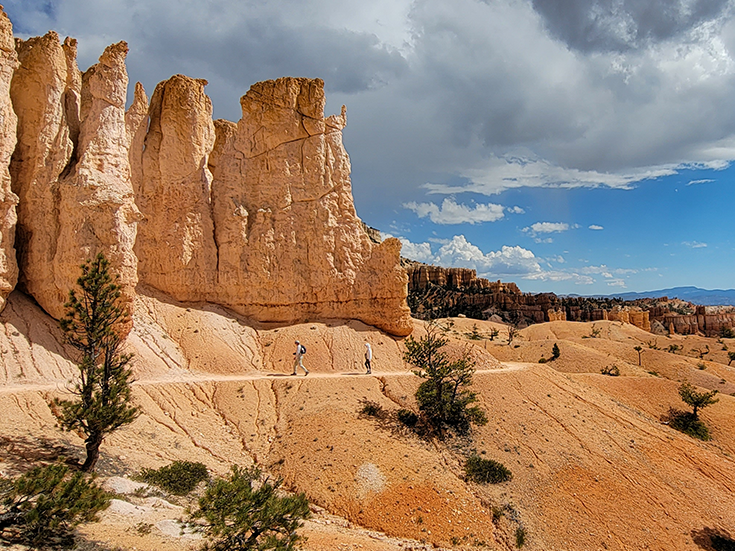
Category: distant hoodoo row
<point>256,216</point>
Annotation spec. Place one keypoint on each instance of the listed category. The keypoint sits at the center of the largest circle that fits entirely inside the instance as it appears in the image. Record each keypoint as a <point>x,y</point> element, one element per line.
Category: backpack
<point>303,349</point>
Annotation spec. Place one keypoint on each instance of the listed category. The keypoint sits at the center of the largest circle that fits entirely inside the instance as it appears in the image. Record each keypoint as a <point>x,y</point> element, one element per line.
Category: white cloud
<point>704,181</point>
<point>545,228</point>
<point>453,213</point>
<point>516,210</point>
<point>596,227</point>
<point>694,244</point>
<point>616,283</point>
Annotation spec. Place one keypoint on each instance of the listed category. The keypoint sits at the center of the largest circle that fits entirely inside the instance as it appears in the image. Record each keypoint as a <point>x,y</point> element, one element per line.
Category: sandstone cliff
<point>8,200</point>
<point>70,168</point>
<point>257,216</point>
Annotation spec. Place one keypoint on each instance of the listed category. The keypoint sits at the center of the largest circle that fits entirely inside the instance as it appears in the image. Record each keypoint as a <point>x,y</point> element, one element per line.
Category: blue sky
<point>573,146</point>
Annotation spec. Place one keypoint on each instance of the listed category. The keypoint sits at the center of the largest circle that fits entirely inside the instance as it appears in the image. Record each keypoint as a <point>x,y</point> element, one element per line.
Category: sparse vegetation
<point>653,345</point>
<point>486,471</point>
<point>701,352</point>
<point>444,398</point>
<point>674,348</point>
<point>555,352</point>
<point>727,333</point>
<point>638,349</point>
<point>730,357</point>
<point>520,537</point>
<point>702,366</point>
<point>371,409</point>
<point>542,360</point>
<point>474,334</point>
<point>595,332</point>
<point>686,422</point>
<point>93,325</point>
<point>407,417</point>
<point>493,333</point>
<point>697,400</point>
<point>178,478</point>
<point>512,333</point>
<point>611,370</point>
<point>248,512</point>
<point>41,508</point>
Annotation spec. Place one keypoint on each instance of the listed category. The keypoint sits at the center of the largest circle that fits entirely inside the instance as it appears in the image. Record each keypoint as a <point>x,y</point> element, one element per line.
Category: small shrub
<point>688,423</point>
<point>674,348</point>
<point>555,353</point>
<point>543,360</point>
<point>611,370</point>
<point>701,366</point>
<point>178,478</point>
<point>407,417</point>
<point>494,333</point>
<point>486,471</point>
<point>595,332</point>
<point>727,333</point>
<point>474,334</point>
<point>371,409</point>
<point>520,537</point>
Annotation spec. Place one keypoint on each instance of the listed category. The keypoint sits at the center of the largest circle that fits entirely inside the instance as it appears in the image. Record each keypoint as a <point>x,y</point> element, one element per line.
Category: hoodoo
<point>256,216</point>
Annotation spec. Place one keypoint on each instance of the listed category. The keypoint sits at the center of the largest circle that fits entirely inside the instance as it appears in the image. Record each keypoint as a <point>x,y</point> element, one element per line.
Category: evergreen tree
<point>697,400</point>
<point>555,352</point>
<point>92,325</point>
<point>244,512</point>
<point>41,508</point>
<point>444,397</point>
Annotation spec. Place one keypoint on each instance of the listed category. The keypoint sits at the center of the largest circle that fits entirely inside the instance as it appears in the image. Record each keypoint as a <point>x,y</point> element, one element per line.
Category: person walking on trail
<point>368,358</point>
<point>297,360</point>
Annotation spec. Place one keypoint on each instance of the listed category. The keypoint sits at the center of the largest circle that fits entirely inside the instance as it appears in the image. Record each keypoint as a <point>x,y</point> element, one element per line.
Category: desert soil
<point>594,466</point>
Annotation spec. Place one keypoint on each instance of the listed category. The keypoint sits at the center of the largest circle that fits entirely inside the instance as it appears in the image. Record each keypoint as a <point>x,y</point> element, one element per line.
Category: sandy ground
<point>593,465</point>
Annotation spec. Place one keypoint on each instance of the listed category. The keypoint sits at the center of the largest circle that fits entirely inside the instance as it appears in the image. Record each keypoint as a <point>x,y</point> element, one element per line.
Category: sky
<point>571,146</point>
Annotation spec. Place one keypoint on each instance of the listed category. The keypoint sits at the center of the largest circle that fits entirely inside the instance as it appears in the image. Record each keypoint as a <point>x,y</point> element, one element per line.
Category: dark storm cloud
<point>621,25</point>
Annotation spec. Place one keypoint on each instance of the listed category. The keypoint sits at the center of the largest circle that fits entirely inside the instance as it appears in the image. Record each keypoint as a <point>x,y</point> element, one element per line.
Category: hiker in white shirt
<point>368,358</point>
<point>300,350</point>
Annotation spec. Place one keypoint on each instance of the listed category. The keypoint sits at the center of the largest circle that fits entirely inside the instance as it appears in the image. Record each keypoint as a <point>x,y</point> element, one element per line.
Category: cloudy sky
<point>574,146</point>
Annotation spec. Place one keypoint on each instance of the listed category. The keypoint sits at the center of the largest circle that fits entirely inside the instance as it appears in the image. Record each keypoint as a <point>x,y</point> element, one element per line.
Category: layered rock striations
<point>8,124</point>
<point>256,216</point>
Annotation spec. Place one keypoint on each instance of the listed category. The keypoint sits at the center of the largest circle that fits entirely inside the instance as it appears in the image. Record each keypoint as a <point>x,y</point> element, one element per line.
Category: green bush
<point>486,471</point>
<point>371,409</point>
<point>178,478</point>
<point>543,360</point>
<point>246,512</point>
<point>555,352</point>
<point>407,417</point>
<point>690,424</point>
<point>41,508</point>
<point>520,537</point>
<point>444,398</point>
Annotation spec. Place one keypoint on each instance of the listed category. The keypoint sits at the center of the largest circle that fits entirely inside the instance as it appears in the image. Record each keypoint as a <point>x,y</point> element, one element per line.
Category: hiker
<point>368,358</point>
<point>300,351</point>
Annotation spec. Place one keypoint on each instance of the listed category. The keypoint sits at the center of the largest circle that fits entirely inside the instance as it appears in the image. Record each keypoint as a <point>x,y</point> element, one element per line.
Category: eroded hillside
<point>594,467</point>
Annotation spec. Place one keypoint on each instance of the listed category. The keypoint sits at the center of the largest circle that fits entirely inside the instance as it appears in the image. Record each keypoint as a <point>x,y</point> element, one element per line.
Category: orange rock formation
<point>257,216</point>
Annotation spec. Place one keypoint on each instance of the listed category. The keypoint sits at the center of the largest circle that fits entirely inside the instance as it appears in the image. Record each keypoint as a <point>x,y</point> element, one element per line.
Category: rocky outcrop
<point>8,199</point>
<point>256,216</point>
<point>290,244</point>
<point>70,168</point>
<point>176,239</point>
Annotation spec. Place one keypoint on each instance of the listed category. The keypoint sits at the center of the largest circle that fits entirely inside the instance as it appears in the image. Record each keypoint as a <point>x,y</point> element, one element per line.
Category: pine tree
<point>697,400</point>
<point>92,325</point>
<point>245,512</point>
<point>444,397</point>
<point>41,508</point>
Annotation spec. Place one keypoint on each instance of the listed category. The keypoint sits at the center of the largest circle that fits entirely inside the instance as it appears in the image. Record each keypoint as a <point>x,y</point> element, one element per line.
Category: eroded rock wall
<point>8,199</point>
<point>70,168</point>
<point>290,244</point>
<point>273,234</point>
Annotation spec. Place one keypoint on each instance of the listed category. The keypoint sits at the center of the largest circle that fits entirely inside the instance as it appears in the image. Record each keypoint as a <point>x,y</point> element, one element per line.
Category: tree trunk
<point>93,443</point>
